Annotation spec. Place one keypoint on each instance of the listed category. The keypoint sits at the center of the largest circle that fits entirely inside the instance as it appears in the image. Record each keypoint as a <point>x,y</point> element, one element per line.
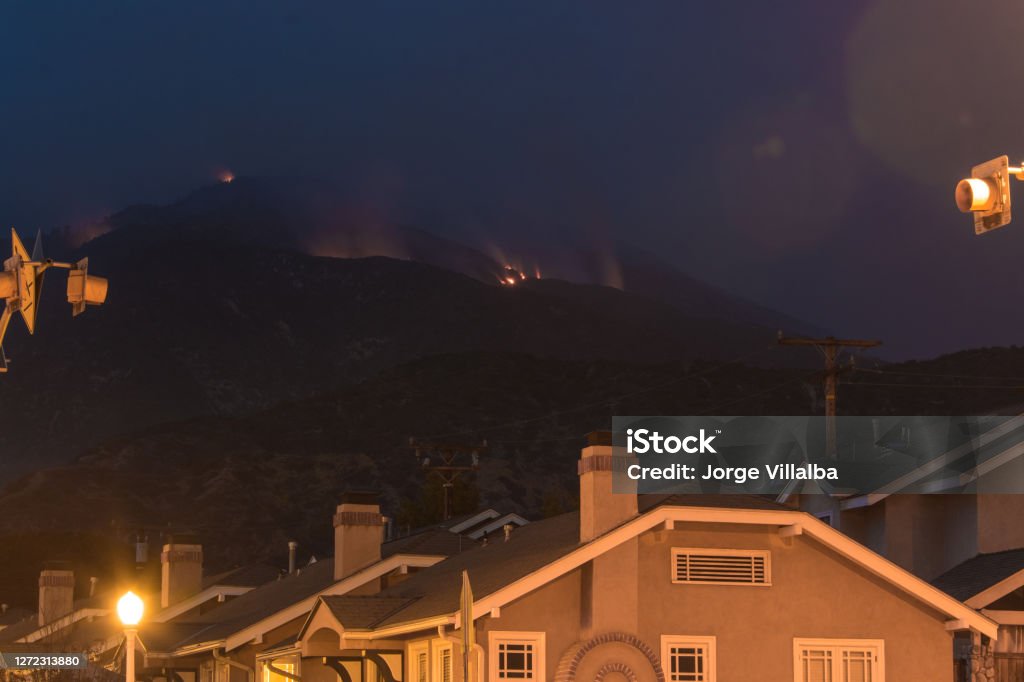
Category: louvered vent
<point>721,566</point>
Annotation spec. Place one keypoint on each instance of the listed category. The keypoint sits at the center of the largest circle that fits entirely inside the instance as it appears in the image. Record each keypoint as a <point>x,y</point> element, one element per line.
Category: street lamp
<point>129,610</point>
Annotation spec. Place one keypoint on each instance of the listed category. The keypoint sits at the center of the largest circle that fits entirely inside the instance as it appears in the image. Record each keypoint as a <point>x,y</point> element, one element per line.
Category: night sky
<point>800,153</point>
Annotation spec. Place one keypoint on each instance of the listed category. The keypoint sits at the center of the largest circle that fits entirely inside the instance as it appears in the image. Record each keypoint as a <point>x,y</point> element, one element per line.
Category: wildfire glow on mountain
<point>512,276</point>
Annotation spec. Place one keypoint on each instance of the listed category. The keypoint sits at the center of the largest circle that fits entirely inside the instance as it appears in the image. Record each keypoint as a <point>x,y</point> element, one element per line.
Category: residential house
<point>646,589</point>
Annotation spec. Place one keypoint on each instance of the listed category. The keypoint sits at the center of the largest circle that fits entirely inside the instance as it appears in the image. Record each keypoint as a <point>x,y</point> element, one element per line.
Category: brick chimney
<point>56,592</point>
<point>181,569</point>
<point>600,508</point>
<point>358,533</point>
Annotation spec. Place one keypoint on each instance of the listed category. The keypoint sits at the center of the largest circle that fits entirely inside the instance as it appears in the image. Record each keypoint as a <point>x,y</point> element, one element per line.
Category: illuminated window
<point>688,659</point>
<point>835,660</point>
<point>288,664</point>
<point>517,656</point>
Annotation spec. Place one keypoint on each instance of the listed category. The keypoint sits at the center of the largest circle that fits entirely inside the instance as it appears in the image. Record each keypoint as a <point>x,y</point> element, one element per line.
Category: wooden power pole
<point>829,347</point>
<point>448,460</point>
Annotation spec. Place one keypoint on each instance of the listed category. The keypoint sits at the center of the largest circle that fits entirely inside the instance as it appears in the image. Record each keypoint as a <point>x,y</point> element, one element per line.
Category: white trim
<point>995,592</point>
<point>485,515</point>
<point>514,519</point>
<point>795,529</point>
<point>61,623</point>
<point>752,554</point>
<point>537,639</point>
<point>1005,617</point>
<point>198,600</point>
<point>877,671</point>
<point>414,649</point>
<point>343,586</point>
<point>813,529</point>
<point>439,648</point>
<point>710,658</point>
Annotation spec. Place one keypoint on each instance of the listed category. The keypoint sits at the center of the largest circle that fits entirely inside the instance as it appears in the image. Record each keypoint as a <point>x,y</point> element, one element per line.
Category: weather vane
<point>21,283</point>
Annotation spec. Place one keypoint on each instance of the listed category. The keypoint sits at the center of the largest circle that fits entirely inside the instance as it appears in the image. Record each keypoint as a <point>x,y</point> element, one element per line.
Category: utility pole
<point>829,347</point>
<point>448,460</point>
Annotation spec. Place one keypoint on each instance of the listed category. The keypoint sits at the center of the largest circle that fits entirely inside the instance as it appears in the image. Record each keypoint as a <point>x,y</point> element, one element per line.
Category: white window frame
<point>764,553</point>
<point>838,646</point>
<point>709,644</point>
<point>496,638</point>
<point>415,649</point>
<point>436,669</point>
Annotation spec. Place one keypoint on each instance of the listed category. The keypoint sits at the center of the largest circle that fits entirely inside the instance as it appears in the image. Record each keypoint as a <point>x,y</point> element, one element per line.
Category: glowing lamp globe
<point>129,609</point>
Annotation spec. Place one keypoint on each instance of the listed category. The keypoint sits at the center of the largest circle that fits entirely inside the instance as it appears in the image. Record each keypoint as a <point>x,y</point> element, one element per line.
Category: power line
<point>830,347</point>
<point>770,389</point>
<point>942,376</point>
<point>942,386</point>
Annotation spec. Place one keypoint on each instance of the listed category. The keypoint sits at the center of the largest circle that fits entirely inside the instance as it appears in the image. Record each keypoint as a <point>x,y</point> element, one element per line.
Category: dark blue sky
<point>799,153</point>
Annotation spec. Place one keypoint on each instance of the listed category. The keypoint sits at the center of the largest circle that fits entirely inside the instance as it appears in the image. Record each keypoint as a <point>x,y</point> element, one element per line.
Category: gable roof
<point>985,578</point>
<point>363,612</point>
<point>252,575</point>
<point>259,603</point>
<point>492,566</point>
<point>436,541</point>
<point>544,551</point>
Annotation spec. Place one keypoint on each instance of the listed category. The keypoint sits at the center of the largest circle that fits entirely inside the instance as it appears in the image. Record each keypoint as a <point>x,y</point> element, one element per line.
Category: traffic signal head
<point>84,288</point>
<point>986,194</point>
<point>22,281</point>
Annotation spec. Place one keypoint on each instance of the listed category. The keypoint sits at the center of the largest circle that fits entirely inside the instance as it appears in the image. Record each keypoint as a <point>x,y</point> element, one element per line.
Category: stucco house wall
<point>815,593</point>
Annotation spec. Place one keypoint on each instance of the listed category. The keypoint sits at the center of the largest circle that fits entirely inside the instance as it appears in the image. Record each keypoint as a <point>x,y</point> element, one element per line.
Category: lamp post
<point>129,610</point>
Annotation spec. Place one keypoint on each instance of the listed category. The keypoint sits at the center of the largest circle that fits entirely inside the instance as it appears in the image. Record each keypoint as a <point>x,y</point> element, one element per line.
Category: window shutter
<point>721,566</point>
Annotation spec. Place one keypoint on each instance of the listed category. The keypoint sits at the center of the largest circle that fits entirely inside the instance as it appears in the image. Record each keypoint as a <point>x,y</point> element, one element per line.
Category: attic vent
<point>721,566</point>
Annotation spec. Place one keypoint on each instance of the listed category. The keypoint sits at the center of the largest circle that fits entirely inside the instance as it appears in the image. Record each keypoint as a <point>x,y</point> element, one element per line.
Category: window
<point>288,664</point>
<point>443,671</point>
<point>837,660</point>
<point>721,566</point>
<point>418,662</point>
<point>517,656</point>
<point>688,659</point>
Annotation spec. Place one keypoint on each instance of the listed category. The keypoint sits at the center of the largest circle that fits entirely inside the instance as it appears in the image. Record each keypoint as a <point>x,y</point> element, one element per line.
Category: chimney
<point>292,547</point>
<point>181,569</point>
<point>600,508</point>
<point>56,592</point>
<point>358,531</point>
<point>615,571</point>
